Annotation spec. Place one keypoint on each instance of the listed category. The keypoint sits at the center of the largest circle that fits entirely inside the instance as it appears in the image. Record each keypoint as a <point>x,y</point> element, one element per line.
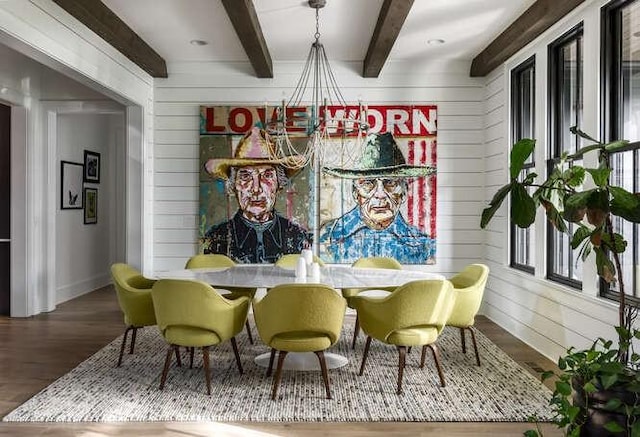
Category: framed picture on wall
<point>91,167</point>
<point>71,185</point>
<point>90,206</point>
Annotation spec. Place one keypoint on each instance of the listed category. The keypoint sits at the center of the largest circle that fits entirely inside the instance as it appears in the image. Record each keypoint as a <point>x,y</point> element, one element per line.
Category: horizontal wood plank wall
<point>547,316</point>
<point>444,83</point>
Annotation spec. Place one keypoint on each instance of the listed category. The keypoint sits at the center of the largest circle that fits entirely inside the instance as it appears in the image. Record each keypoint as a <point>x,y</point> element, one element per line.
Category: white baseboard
<point>80,288</point>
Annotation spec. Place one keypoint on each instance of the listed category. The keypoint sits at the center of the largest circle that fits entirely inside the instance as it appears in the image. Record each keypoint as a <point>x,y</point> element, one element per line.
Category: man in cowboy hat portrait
<point>256,233</point>
<point>375,226</point>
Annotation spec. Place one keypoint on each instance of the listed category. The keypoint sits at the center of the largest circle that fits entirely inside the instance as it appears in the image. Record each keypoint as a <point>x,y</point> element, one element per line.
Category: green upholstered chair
<point>290,260</point>
<point>192,314</point>
<point>413,315</point>
<point>299,318</point>
<point>218,260</point>
<point>377,262</point>
<point>134,297</point>
<point>468,286</point>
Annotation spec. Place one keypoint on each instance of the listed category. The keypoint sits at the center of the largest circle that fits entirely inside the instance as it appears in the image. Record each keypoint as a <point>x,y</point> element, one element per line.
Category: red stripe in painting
<point>432,183</point>
<point>412,157</point>
<point>290,193</point>
<point>421,186</point>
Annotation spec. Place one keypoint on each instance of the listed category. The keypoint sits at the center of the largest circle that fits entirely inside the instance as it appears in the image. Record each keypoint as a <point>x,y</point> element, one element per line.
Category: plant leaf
<point>574,176</point>
<point>600,175</point>
<point>625,204</point>
<point>579,236</point>
<point>494,205</point>
<point>613,427</point>
<point>575,206</point>
<point>618,245</point>
<point>554,216</point>
<point>520,152</point>
<point>523,208</point>
<point>605,267</point>
<point>616,145</point>
<point>576,131</point>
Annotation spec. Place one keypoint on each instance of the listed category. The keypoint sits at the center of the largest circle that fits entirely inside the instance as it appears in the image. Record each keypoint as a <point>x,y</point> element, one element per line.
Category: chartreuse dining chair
<point>468,287</point>
<point>192,314</point>
<point>134,297</point>
<point>377,262</point>
<point>218,260</point>
<point>299,318</point>
<point>413,315</point>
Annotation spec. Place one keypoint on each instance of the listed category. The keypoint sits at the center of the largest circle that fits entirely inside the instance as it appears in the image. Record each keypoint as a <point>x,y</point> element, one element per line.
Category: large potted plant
<point>597,391</point>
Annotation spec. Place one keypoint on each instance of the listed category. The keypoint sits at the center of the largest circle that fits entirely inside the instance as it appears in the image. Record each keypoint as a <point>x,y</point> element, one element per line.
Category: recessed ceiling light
<point>435,42</point>
<point>198,42</point>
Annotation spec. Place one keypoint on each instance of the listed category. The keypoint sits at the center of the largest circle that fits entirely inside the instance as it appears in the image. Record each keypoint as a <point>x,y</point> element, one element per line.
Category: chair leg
<point>423,356</point>
<point>402,351</point>
<point>436,358</point>
<point>124,343</point>
<point>276,378</point>
<point>475,345</point>
<point>463,341</point>
<point>364,355</point>
<point>271,357</point>
<point>177,350</point>
<point>235,352</point>
<point>249,331</point>
<point>356,331</point>
<point>205,365</point>
<point>325,374</point>
<point>165,371</point>
<point>133,339</point>
<point>191,350</point>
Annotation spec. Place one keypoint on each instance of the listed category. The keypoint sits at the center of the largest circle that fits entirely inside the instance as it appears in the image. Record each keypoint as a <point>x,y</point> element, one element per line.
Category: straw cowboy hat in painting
<point>381,158</point>
<point>255,148</point>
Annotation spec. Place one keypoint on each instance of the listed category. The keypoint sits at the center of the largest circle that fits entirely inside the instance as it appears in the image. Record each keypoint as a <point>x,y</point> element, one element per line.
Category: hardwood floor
<point>37,350</point>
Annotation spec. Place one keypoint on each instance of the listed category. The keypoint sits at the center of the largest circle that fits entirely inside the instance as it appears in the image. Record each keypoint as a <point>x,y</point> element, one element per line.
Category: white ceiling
<point>346,26</point>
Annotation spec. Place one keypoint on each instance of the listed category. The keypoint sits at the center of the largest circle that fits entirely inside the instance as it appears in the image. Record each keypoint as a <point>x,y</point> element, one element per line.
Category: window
<point>565,111</point>
<point>621,115</point>
<point>522,126</point>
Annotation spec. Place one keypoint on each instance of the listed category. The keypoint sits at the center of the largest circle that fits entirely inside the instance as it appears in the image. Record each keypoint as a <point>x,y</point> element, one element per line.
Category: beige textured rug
<point>97,391</point>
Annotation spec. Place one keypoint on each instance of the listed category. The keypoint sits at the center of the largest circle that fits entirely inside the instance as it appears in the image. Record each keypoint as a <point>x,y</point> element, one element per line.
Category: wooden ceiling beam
<point>101,20</point>
<point>527,27</point>
<point>244,18</point>
<point>390,21</point>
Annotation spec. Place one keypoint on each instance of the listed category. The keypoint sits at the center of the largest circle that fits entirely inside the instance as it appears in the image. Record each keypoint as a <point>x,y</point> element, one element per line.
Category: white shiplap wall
<point>547,316</point>
<point>444,83</point>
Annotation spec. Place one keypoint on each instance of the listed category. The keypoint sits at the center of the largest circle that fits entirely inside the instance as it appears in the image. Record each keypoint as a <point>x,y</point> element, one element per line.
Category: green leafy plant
<point>566,198</point>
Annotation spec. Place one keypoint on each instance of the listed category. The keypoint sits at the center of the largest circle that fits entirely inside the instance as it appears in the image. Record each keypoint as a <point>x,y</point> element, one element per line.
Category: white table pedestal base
<point>302,361</point>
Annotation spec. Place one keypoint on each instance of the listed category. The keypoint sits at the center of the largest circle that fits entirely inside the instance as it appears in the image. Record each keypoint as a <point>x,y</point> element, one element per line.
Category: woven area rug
<point>98,391</point>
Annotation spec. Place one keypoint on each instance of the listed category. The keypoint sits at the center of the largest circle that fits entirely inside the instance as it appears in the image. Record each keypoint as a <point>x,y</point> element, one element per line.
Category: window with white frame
<point>522,126</point>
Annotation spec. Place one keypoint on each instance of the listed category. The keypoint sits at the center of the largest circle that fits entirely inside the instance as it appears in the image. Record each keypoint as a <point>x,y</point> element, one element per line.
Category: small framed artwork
<point>71,185</point>
<point>90,206</point>
<point>91,167</point>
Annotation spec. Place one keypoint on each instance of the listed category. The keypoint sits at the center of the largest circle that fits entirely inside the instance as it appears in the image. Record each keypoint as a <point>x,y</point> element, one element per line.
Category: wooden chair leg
<point>356,331</point>
<point>177,351</point>
<point>246,324</point>
<point>124,343</point>
<point>325,374</point>
<point>364,355</point>
<point>205,365</point>
<point>475,345</point>
<point>402,352</point>
<point>235,352</point>
<point>276,378</point>
<point>271,358</point>
<point>463,341</point>
<point>436,358</point>
<point>133,339</point>
<point>191,351</point>
<point>423,356</point>
<point>165,371</point>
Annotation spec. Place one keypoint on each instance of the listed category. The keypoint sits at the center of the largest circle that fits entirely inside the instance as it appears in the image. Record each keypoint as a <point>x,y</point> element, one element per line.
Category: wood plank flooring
<point>37,350</point>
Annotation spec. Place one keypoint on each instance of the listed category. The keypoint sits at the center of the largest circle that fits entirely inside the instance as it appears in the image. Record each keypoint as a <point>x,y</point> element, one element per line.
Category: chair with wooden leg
<point>413,315</point>
<point>468,287</point>
<point>192,314</point>
<point>218,260</point>
<point>299,318</point>
<point>134,297</point>
<point>377,262</point>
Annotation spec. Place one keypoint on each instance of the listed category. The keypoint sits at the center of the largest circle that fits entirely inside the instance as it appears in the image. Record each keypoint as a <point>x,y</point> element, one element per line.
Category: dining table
<point>266,276</point>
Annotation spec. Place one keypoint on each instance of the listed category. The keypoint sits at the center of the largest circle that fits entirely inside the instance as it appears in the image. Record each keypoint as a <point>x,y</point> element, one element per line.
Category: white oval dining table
<point>265,276</point>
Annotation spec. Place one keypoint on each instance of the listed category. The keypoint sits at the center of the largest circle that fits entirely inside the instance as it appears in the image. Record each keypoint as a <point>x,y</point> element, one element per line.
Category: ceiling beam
<point>390,21</point>
<point>101,20</point>
<point>527,27</point>
<point>244,18</point>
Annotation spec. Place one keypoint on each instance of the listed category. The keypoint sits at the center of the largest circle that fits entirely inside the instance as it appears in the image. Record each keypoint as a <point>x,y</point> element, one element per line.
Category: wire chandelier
<point>318,90</point>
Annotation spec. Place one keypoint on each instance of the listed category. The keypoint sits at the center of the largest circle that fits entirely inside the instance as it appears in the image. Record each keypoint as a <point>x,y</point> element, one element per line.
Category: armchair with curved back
<point>192,314</point>
<point>299,318</point>
<point>377,262</point>
<point>134,297</point>
<point>413,315</point>
<point>468,286</point>
<point>218,260</point>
